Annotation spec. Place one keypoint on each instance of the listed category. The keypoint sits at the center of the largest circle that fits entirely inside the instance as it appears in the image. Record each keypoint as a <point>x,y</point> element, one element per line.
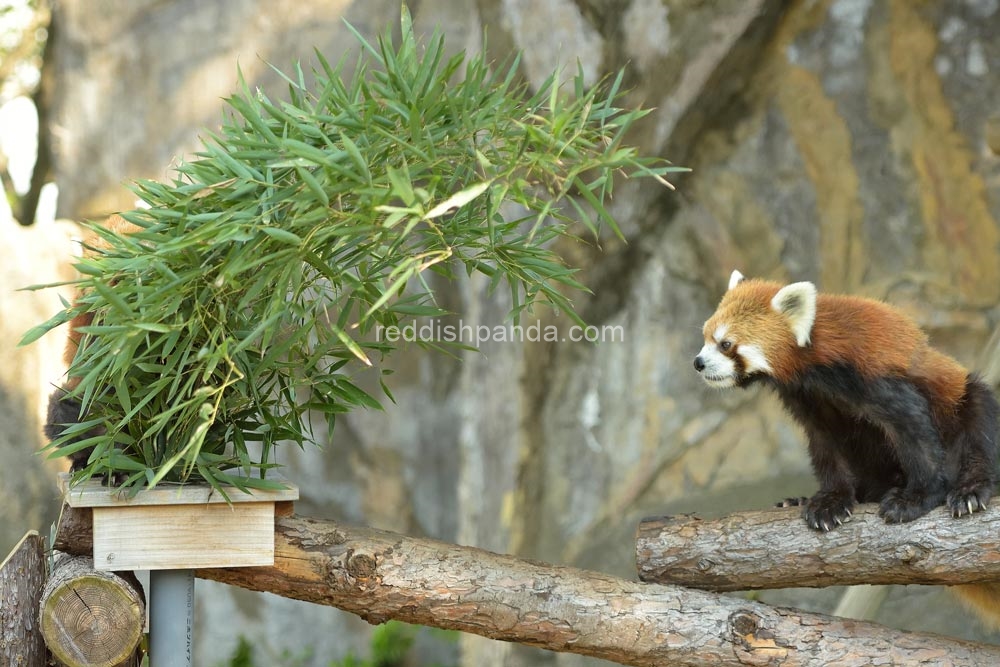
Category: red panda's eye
<point>725,345</point>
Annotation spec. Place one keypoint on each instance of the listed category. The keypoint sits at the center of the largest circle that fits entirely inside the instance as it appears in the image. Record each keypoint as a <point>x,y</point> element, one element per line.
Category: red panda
<point>888,419</point>
<point>62,410</point>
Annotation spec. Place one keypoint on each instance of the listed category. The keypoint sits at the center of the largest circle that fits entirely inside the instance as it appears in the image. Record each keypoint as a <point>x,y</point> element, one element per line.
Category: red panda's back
<point>882,341</point>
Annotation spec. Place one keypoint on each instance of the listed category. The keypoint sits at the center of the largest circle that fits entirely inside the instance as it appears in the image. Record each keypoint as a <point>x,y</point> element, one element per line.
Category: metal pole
<point>171,617</point>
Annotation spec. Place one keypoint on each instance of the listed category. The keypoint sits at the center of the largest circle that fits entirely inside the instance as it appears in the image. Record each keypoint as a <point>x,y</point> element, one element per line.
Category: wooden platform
<point>176,526</point>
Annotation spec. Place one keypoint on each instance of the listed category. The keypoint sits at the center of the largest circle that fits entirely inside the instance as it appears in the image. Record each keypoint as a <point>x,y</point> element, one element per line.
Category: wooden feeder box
<point>180,527</point>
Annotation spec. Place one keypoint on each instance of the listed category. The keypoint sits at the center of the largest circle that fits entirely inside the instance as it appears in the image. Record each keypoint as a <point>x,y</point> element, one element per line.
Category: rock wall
<point>851,142</point>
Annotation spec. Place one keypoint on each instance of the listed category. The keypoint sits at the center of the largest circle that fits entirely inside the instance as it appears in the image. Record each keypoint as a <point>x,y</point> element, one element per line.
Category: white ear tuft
<point>735,279</point>
<point>797,302</point>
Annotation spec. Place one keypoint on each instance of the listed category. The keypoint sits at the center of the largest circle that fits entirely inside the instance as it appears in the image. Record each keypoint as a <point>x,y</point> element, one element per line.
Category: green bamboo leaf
<point>305,151</point>
<point>458,200</point>
<point>401,184</point>
<point>76,446</point>
<point>356,395</point>
<point>598,206</point>
<point>362,41</point>
<point>282,235</point>
<point>417,310</point>
<point>355,153</point>
<point>37,331</point>
<point>352,345</point>
<point>155,327</point>
<point>313,185</point>
<point>113,298</point>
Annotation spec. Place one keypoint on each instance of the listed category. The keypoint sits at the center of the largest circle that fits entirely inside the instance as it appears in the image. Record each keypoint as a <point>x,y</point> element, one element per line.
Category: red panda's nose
<point>699,365</point>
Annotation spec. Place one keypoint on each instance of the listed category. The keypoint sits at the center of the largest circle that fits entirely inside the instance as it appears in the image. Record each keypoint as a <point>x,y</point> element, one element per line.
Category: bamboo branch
<point>379,576</point>
<point>775,549</point>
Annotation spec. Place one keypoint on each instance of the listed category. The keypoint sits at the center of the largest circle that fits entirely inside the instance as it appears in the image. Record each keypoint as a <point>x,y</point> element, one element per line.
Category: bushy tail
<point>983,600</point>
<point>978,444</point>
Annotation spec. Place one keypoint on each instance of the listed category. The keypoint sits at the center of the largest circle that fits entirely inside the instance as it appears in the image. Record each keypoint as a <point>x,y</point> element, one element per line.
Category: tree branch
<point>774,549</point>
<point>379,576</point>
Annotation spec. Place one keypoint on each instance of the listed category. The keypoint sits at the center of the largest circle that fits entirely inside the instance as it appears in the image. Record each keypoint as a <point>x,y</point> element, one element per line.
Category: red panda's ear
<point>735,279</point>
<point>797,302</point>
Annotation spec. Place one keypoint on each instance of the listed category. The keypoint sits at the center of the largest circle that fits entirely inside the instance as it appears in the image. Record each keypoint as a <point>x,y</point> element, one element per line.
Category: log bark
<point>380,576</point>
<point>775,549</point>
<point>91,618</point>
<point>22,576</point>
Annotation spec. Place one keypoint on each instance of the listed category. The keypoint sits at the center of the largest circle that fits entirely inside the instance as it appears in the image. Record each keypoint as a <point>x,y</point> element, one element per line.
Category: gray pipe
<point>171,617</point>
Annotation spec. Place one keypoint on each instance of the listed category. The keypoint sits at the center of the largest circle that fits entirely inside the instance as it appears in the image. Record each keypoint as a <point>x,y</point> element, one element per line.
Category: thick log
<point>91,618</point>
<point>775,549</point>
<point>380,576</point>
<point>22,576</point>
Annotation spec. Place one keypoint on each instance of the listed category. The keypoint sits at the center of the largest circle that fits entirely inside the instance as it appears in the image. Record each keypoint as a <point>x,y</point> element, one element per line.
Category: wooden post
<point>22,575</point>
<point>89,617</point>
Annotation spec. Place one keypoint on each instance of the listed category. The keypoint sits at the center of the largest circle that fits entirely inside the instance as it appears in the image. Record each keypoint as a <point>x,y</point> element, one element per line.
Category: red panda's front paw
<point>901,505</point>
<point>825,511</point>
<point>969,499</point>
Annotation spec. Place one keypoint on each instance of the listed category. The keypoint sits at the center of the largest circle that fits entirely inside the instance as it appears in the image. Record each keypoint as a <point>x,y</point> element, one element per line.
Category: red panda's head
<point>757,329</point>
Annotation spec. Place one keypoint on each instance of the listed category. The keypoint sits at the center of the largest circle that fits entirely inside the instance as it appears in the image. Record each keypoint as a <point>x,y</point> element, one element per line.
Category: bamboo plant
<point>248,296</point>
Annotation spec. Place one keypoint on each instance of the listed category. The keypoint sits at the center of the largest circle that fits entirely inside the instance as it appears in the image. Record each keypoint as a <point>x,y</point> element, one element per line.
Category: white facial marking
<point>755,360</point>
<point>720,333</point>
<point>719,370</point>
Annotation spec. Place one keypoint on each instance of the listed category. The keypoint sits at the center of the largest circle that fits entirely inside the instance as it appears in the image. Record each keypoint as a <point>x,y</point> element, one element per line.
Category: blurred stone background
<point>855,143</point>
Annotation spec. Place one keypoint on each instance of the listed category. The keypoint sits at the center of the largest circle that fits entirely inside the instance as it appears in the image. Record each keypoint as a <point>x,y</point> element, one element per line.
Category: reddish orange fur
<point>873,337</point>
<point>91,243</point>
